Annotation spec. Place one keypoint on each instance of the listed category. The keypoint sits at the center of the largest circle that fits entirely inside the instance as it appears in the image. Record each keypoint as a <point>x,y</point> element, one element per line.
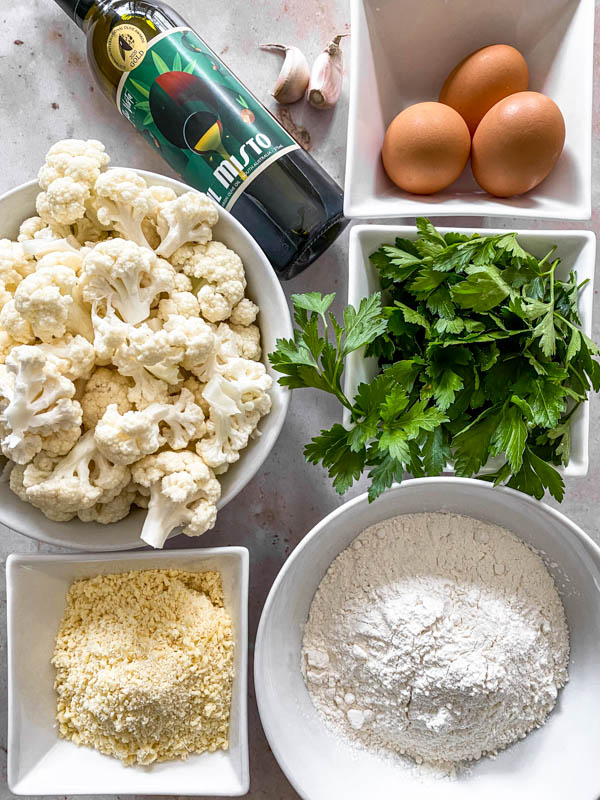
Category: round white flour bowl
<point>555,761</point>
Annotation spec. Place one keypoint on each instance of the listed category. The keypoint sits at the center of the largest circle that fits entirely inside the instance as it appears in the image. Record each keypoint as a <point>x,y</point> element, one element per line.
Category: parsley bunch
<point>481,357</point>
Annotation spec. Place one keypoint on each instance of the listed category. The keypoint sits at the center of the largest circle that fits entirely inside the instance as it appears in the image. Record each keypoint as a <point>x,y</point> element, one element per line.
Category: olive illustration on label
<point>188,42</point>
<point>185,111</point>
<point>246,113</point>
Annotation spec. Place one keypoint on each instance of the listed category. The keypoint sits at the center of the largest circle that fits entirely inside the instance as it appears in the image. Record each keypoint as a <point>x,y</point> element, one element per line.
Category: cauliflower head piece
<point>126,438</point>
<point>35,399</point>
<point>183,491</point>
<point>219,275</point>
<point>105,387</point>
<point>67,178</point>
<point>62,488</point>
<point>122,202</point>
<point>44,299</point>
<point>188,218</point>
<point>128,276</point>
<point>237,397</point>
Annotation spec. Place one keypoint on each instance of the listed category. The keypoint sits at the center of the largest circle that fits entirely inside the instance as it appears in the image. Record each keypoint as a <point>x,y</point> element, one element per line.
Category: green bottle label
<point>200,118</point>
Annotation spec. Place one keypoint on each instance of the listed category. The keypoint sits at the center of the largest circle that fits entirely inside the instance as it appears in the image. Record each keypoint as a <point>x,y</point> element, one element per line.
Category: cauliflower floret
<point>74,356</point>
<point>113,510</point>
<point>127,275</point>
<point>60,443</point>
<point>216,302</point>
<point>35,228</point>
<point>183,283</point>
<point>122,202</point>
<point>15,325</point>
<point>110,332</point>
<point>244,313</point>
<point>161,196</point>
<point>53,445</point>
<point>15,481</point>
<point>184,304</point>
<point>199,339</point>
<point>6,345</point>
<point>49,300</point>
<point>105,386</point>
<point>63,258</point>
<point>147,390</point>
<point>189,218</point>
<point>63,202</point>
<point>248,341</point>
<point>183,491</point>
<point>44,298</point>
<point>14,265</point>
<point>226,347</point>
<point>221,277</point>
<point>196,387</point>
<point>125,438</point>
<point>111,346</point>
<point>84,477</point>
<point>67,178</point>
<point>185,341</point>
<point>30,227</point>
<point>248,383</point>
<point>35,399</point>
<point>237,398</point>
<point>75,158</point>
<point>158,352</point>
<point>14,262</point>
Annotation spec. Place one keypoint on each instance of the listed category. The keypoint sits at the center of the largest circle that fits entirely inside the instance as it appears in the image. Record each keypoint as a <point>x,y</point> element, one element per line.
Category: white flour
<point>436,636</point>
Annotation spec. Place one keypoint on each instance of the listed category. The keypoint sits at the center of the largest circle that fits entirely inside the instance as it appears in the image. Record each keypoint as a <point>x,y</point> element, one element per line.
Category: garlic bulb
<point>293,78</point>
<point>325,85</point>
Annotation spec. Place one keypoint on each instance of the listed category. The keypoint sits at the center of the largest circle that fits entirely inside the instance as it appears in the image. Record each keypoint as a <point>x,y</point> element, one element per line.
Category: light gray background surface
<point>47,93</point>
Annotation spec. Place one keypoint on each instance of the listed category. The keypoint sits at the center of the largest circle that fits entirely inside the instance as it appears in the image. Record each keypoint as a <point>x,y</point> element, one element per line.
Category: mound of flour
<point>436,636</point>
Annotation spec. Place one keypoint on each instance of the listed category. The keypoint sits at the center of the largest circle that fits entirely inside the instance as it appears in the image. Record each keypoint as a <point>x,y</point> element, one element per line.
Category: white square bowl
<point>39,762</point>
<point>402,51</point>
<point>576,249</point>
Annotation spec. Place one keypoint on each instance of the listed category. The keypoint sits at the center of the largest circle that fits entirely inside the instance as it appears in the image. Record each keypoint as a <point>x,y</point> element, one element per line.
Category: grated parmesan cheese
<point>144,665</point>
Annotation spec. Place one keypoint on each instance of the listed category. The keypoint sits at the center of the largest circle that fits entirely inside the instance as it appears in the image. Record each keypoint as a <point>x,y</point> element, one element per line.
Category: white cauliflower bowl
<point>60,319</point>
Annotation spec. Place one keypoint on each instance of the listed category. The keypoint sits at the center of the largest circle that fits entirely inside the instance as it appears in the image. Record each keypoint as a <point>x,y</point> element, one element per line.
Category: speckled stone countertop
<point>47,93</point>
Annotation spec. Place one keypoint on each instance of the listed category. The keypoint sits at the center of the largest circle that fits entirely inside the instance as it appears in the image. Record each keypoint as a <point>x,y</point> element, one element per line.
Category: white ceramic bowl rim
<point>320,530</point>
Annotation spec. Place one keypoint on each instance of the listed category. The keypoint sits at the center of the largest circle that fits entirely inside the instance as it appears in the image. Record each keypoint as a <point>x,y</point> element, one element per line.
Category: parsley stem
<point>545,258</point>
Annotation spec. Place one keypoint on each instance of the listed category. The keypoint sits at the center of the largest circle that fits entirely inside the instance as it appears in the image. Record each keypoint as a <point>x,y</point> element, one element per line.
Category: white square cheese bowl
<point>576,249</point>
<point>41,763</point>
<point>402,51</point>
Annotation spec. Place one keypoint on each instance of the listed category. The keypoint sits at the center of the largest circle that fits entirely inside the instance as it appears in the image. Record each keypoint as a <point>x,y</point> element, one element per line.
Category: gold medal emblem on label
<point>126,47</point>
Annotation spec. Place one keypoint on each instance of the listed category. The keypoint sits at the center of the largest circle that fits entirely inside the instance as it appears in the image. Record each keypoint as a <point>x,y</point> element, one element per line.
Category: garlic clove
<point>294,75</point>
<point>325,84</point>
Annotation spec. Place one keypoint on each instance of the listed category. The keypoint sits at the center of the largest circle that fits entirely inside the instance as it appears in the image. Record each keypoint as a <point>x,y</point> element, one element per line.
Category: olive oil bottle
<point>206,124</point>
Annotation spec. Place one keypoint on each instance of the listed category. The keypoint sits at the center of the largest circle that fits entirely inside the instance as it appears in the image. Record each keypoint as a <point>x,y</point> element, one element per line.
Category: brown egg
<point>517,143</point>
<point>426,148</point>
<point>482,79</point>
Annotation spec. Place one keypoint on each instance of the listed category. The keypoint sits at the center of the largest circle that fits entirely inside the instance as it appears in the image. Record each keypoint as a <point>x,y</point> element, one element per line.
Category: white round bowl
<point>557,761</point>
<point>274,321</point>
